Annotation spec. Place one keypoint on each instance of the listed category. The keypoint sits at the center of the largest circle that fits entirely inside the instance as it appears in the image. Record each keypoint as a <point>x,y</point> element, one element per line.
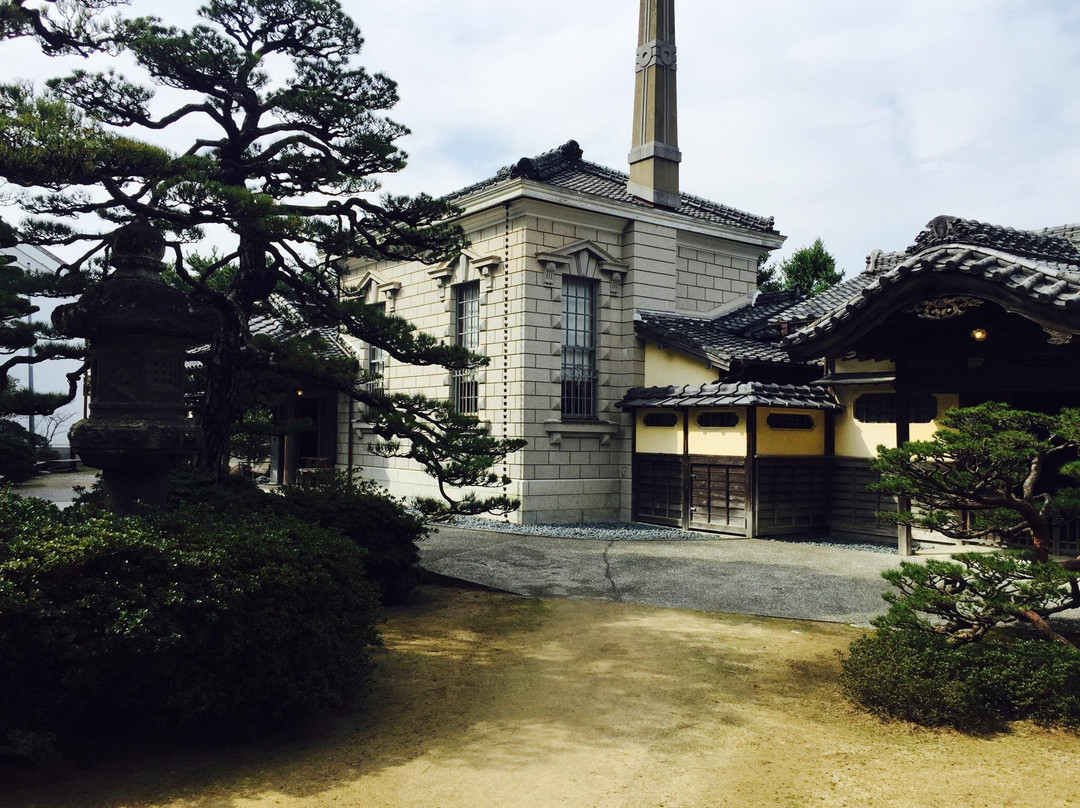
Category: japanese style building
<point>773,409</point>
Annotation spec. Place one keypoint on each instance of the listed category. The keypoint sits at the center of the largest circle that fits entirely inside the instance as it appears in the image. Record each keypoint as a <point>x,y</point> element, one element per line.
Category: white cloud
<point>851,120</point>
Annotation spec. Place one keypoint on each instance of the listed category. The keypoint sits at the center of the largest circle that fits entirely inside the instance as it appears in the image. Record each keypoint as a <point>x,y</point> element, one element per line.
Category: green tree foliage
<point>974,593</point>
<point>26,342</point>
<point>287,140</point>
<point>810,268</point>
<point>991,470</point>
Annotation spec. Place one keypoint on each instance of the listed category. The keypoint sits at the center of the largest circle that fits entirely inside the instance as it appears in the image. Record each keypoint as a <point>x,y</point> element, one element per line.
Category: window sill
<point>580,429</point>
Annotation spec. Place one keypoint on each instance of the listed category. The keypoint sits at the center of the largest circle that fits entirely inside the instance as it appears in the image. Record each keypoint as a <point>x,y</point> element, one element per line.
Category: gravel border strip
<point>626,531</point>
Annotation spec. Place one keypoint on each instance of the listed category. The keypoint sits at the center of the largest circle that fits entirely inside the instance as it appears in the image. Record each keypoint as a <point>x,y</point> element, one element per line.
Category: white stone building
<point>562,254</point>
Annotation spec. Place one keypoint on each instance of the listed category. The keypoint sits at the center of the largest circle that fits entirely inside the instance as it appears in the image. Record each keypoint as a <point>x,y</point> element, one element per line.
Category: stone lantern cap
<point>133,301</point>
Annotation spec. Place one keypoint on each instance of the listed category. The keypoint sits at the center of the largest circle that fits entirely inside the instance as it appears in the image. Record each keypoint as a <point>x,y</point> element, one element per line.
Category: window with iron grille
<point>789,420</point>
<point>376,360</point>
<point>465,387</point>
<point>579,377</point>
<point>880,408</point>
<point>660,419</point>
<point>718,420</point>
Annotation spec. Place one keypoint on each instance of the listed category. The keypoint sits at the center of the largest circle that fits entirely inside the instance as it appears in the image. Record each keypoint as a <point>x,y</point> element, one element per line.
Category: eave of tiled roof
<point>564,168</point>
<point>740,334</point>
<point>281,320</point>
<point>1025,265</point>
<point>734,394</point>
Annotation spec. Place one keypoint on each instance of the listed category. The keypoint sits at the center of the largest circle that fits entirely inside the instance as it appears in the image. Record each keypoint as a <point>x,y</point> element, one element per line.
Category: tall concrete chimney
<point>654,154</point>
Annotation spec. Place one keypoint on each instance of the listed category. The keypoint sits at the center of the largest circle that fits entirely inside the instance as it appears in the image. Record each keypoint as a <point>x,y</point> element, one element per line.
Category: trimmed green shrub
<point>368,516</point>
<point>185,620</point>
<point>359,510</point>
<point>917,676</point>
<point>18,451</point>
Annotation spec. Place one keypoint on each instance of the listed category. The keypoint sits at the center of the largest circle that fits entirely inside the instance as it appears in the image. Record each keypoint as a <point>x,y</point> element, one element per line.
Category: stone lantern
<point>137,331</point>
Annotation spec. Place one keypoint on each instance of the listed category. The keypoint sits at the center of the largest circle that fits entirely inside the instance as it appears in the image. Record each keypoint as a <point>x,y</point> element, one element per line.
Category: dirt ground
<point>491,700</point>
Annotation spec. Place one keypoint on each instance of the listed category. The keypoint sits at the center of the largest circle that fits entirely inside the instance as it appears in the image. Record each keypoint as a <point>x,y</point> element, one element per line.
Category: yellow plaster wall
<point>945,401</point>
<point>787,442</point>
<point>659,439</point>
<point>856,439</point>
<point>664,367</point>
<point>718,441</point>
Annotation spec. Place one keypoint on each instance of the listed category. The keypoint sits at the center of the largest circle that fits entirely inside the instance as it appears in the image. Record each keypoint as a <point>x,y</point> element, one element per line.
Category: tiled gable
<point>564,168</point>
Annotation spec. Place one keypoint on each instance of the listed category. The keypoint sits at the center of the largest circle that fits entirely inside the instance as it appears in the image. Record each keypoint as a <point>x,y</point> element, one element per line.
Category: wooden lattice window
<point>789,420</point>
<point>718,420</point>
<point>667,419</point>
<point>880,408</point>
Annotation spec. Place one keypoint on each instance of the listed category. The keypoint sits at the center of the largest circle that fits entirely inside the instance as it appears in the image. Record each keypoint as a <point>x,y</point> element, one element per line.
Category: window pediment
<point>583,259</point>
<point>374,288</point>
<point>465,266</point>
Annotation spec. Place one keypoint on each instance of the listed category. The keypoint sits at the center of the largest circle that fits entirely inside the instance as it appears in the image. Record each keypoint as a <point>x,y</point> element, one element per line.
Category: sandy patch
<point>489,700</point>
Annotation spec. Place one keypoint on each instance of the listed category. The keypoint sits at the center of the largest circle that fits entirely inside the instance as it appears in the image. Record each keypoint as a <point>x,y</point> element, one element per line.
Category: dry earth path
<point>484,700</point>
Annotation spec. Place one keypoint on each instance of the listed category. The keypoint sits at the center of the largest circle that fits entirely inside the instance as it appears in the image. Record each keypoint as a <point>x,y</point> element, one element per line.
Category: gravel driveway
<point>740,576</point>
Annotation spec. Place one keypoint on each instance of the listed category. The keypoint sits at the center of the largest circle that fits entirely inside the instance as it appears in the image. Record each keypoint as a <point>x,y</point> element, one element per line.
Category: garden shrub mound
<point>188,619</point>
<point>968,643</point>
<point>366,515</point>
<point>357,509</point>
<point>918,677</point>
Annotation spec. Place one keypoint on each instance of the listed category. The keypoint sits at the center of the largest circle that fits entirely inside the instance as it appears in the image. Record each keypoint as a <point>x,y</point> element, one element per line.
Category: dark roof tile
<point>1041,265</point>
<point>744,333</point>
<point>564,168</point>
<point>732,394</point>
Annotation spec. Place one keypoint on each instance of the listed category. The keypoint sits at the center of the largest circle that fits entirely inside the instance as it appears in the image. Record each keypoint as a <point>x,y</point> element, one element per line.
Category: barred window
<point>718,419</point>
<point>660,419</point>
<point>789,420</point>
<point>579,376</point>
<point>880,408</point>
<point>465,386</point>
<point>376,360</point>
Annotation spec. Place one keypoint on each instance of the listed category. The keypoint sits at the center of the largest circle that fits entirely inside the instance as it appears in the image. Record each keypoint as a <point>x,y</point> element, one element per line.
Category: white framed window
<point>465,384</point>
<point>579,374</point>
<point>376,361</point>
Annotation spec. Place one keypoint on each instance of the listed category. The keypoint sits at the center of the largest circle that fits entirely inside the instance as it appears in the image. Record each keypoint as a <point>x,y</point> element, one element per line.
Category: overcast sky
<point>851,120</point>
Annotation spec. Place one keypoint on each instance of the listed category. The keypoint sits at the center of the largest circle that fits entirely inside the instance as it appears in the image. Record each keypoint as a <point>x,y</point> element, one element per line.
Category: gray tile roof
<point>732,394</point>
<point>564,168</point>
<point>743,333</point>
<point>1042,266</point>
<point>280,319</point>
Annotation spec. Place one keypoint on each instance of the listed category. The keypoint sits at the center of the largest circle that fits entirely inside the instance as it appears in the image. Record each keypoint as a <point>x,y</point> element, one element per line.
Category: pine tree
<point>290,138</point>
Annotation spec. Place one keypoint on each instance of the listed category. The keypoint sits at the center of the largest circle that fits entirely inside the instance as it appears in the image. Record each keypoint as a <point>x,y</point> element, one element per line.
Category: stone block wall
<point>570,471</point>
<point>708,278</point>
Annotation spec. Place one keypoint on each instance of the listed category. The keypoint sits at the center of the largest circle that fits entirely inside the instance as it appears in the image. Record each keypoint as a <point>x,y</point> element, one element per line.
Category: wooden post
<point>688,482</point>
<point>903,435</point>
<point>751,472</point>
